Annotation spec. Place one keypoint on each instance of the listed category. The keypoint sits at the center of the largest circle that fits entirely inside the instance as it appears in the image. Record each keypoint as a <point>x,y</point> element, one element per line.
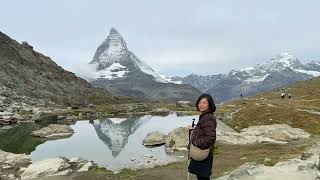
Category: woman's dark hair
<point>212,106</point>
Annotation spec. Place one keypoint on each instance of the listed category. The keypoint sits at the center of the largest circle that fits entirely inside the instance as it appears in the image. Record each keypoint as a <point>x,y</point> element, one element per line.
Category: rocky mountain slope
<point>29,74</point>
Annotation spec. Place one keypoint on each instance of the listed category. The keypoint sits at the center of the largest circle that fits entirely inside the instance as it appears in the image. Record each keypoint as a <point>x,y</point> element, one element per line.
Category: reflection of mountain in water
<point>114,132</point>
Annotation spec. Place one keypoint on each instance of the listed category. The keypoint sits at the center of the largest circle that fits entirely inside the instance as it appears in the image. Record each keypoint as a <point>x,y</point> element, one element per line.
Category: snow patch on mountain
<point>114,71</point>
<point>168,79</point>
<point>256,79</point>
<point>313,73</point>
<point>316,62</point>
<point>147,69</point>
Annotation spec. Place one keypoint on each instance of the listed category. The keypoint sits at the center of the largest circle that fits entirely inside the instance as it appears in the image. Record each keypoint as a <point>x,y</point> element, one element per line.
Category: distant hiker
<point>282,95</point>
<point>203,139</point>
<point>289,95</point>
<point>241,95</point>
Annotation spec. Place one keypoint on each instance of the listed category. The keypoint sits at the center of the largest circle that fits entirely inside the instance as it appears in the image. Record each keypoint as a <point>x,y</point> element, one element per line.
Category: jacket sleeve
<point>207,137</point>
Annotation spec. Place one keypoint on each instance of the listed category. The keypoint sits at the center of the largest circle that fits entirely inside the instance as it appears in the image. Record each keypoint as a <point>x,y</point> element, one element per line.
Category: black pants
<point>203,178</point>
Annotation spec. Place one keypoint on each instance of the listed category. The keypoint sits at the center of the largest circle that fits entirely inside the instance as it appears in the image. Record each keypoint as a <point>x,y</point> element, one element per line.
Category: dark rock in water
<point>45,118</point>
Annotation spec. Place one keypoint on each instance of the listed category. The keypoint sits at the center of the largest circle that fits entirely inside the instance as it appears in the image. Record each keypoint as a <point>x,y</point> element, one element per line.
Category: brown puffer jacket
<point>204,134</point>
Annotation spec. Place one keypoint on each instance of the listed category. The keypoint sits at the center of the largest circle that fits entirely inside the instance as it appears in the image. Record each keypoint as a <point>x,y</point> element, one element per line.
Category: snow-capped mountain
<point>114,60</point>
<point>281,70</point>
<point>123,73</point>
<point>277,63</point>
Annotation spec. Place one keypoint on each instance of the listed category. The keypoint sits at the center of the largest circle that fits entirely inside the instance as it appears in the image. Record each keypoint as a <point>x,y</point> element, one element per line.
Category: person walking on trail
<point>282,95</point>
<point>289,96</point>
<point>204,137</point>
<point>241,95</point>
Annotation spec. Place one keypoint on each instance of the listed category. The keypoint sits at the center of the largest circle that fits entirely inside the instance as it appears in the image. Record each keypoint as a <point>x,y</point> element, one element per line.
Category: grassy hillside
<point>302,111</point>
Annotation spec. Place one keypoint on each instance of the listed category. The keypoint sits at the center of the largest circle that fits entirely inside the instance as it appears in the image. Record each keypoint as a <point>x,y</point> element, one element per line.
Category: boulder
<point>47,167</point>
<point>178,139</point>
<point>278,132</point>
<point>14,160</point>
<point>154,138</point>
<point>238,138</point>
<point>54,131</point>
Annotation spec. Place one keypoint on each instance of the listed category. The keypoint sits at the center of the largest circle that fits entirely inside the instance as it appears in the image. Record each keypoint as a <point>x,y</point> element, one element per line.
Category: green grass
<point>269,108</point>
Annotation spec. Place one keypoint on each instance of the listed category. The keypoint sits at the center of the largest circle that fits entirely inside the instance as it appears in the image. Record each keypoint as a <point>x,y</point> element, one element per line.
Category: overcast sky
<point>175,37</point>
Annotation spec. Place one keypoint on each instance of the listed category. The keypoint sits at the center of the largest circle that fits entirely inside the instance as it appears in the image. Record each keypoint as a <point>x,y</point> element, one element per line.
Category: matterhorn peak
<point>115,61</point>
<point>112,50</point>
<point>113,31</point>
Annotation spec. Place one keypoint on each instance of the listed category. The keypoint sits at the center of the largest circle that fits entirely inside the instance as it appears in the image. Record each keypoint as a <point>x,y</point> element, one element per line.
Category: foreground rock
<point>16,166</point>
<point>47,167</point>
<point>56,167</point>
<point>238,138</point>
<point>54,131</point>
<point>276,133</point>
<point>154,139</point>
<point>178,139</point>
<point>11,164</point>
<point>10,160</point>
<point>294,169</point>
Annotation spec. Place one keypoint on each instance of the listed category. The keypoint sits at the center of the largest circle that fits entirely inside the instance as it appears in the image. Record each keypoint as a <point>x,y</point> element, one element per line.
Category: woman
<point>204,137</point>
